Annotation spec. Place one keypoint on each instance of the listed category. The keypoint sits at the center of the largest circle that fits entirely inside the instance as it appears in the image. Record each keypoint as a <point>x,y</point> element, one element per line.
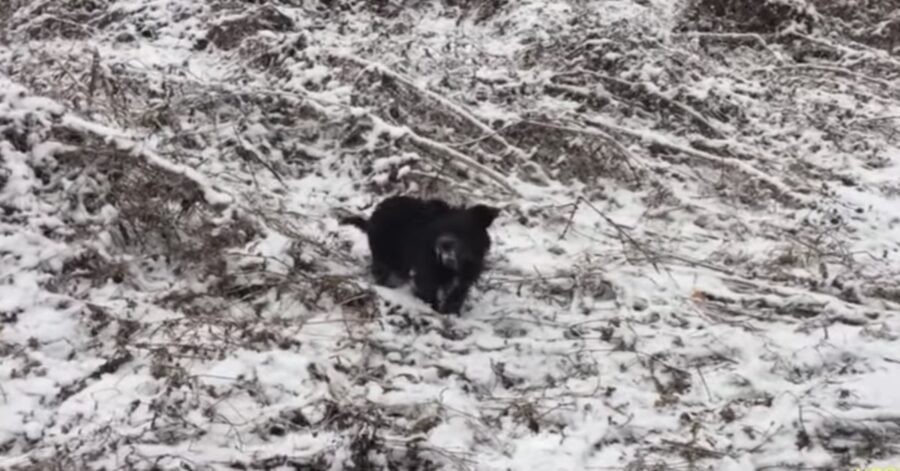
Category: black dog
<point>392,231</point>
<point>440,247</point>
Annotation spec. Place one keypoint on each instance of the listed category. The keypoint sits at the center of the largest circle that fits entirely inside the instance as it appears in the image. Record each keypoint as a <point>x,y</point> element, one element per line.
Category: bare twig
<point>831,69</point>
<point>449,105</point>
<point>704,123</point>
<point>758,38</point>
<point>245,151</point>
<point>877,118</point>
<point>458,158</point>
<point>662,141</point>
<point>213,197</point>
<point>571,218</point>
<point>590,132</point>
<point>863,51</point>
<point>95,73</point>
<point>705,386</point>
<point>624,234</point>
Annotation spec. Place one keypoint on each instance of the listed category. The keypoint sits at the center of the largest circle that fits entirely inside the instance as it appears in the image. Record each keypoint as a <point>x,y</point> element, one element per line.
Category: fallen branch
<point>589,132</point>
<point>875,119</point>
<point>864,52</point>
<point>246,152</point>
<point>753,37</point>
<point>625,236</point>
<point>610,140</point>
<point>825,68</point>
<point>456,157</point>
<point>662,141</point>
<point>582,92</point>
<point>687,110</point>
<point>123,142</point>
<point>438,177</point>
<point>460,159</point>
<point>449,105</point>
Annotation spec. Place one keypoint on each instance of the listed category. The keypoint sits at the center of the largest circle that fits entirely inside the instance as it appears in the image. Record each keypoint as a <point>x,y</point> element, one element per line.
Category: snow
<point>657,305</point>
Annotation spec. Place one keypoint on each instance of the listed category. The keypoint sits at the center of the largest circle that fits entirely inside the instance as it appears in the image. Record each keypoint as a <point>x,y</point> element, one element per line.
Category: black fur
<point>392,231</point>
<point>441,247</point>
<point>450,256</point>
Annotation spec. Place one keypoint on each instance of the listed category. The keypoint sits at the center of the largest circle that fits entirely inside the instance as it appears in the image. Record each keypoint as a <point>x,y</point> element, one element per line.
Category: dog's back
<point>393,230</point>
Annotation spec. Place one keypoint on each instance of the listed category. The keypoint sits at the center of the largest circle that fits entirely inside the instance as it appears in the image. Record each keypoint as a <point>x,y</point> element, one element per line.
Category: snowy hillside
<point>697,265</point>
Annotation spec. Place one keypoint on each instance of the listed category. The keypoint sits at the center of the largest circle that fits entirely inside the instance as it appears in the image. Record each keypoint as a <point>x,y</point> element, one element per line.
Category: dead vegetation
<point>629,122</point>
<point>55,19</point>
<point>230,33</point>
<point>158,213</point>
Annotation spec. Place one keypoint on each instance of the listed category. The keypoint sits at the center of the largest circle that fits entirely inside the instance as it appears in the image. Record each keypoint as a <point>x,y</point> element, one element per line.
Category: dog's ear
<point>485,215</point>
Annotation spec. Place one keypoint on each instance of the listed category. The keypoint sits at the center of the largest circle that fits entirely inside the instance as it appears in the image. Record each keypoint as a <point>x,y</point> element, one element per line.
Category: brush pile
<point>696,265</point>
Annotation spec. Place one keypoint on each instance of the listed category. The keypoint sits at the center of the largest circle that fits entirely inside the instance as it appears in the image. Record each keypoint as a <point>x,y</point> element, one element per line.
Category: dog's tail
<point>358,222</point>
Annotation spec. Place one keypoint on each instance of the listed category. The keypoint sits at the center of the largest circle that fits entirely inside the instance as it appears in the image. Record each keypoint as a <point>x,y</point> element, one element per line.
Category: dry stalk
<point>629,157</point>
<point>95,76</point>
<point>831,69</point>
<point>215,198</point>
<point>623,234</point>
<point>704,123</point>
<point>876,55</point>
<point>487,131</point>
<point>582,92</point>
<point>662,141</point>
<point>757,38</point>
<point>875,119</point>
<point>458,158</point>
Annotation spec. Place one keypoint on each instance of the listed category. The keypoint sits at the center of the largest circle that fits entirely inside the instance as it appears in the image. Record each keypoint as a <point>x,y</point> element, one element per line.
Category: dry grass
<point>159,214</point>
<point>263,136</point>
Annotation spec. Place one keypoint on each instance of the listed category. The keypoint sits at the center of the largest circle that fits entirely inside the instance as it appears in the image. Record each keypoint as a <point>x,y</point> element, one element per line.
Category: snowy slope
<point>696,266</point>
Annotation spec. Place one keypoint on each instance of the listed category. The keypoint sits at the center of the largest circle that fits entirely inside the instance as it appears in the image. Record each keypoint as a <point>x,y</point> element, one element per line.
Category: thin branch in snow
<point>449,105</point>
<point>864,52</point>
<point>624,235</point>
<point>704,123</point>
<point>830,69</point>
<point>215,198</point>
<point>456,157</point>
<point>664,141</point>
<point>875,119</point>
<point>608,139</point>
<point>590,132</point>
<point>582,92</point>
<point>757,38</point>
<point>95,76</point>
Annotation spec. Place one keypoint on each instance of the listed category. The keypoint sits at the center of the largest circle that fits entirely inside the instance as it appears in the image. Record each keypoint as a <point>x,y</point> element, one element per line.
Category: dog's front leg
<point>454,298</point>
<point>381,272</point>
<point>425,287</point>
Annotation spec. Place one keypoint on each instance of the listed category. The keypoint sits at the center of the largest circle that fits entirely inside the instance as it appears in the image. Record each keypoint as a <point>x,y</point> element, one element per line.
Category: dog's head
<point>435,208</point>
<point>462,237</point>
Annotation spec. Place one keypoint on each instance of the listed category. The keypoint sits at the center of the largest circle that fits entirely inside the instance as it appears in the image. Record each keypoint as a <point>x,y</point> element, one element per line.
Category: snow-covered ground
<point>696,266</point>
